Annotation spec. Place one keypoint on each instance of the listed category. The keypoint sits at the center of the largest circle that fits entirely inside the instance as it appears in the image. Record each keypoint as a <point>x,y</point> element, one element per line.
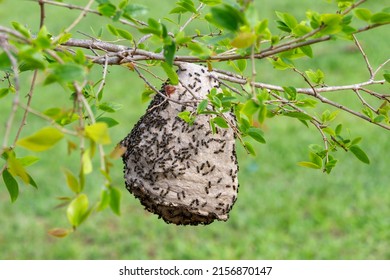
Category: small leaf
<point>298,115</point>
<point>172,75</point>
<point>243,40</point>
<point>109,121</point>
<point>112,29</point>
<point>226,17</point>
<point>118,151</point>
<point>124,34</point>
<point>16,168</point>
<point>211,2</point>
<point>220,122</point>
<point>241,64</point>
<point>23,30</point>
<point>309,164</point>
<point>59,232</point>
<point>98,132</point>
<point>359,153</point>
<point>387,77</point>
<point>107,9</point>
<point>363,14</point>
<point>380,18</point>
<point>3,92</point>
<point>110,107</point>
<point>72,181</point>
<point>169,53</point>
<point>115,199</point>
<point>134,10</point>
<point>202,106</point>
<point>77,210</point>
<point>104,200</point>
<point>11,184</point>
<point>41,140</point>
<point>86,162</point>
<point>256,134</point>
<point>187,117</point>
<point>249,148</point>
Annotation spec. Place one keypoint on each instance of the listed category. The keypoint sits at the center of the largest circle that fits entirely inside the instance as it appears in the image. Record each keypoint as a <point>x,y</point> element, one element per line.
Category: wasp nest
<point>184,173</point>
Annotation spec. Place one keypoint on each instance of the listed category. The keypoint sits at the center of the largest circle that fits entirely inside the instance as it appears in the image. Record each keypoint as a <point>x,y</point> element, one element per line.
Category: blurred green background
<point>283,211</point>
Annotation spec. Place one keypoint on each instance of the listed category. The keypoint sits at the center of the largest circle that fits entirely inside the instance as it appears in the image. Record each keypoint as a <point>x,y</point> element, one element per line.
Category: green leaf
<point>211,2</point>
<point>104,200</point>
<point>298,115</point>
<point>249,148</point>
<point>359,153</point>
<point>316,159</point>
<point>291,92</point>
<point>307,50</point>
<point>244,40</point>
<point>187,117</point>
<point>109,121</point>
<point>112,29</point>
<point>226,17</point>
<point>86,164</point>
<point>309,164</point>
<point>387,77</point>
<point>241,64</point>
<point>43,38</point>
<point>332,23</point>
<point>363,14</point>
<point>16,168</point>
<point>107,9</point>
<point>202,106</point>
<point>134,10</point>
<point>28,160</point>
<point>110,107</point>
<point>3,92</point>
<point>256,134</point>
<point>169,53</point>
<point>11,184</point>
<point>250,108</point>
<point>288,19</point>
<point>98,132</point>
<point>262,113</point>
<point>220,122</point>
<point>72,181</point>
<point>316,77</point>
<point>124,34</point>
<point>41,140</point>
<point>66,73</point>
<point>77,210</point>
<point>23,30</point>
<point>115,199</point>
<point>380,18</point>
<point>172,75</point>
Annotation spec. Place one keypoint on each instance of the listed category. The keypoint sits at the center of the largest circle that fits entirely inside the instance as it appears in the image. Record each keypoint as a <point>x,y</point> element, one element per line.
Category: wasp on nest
<point>183,173</point>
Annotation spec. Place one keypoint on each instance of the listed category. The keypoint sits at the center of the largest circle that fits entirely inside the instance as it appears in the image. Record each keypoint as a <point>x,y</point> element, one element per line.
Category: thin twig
<point>103,81</point>
<point>192,17</point>
<point>28,104</point>
<point>364,102</point>
<point>15,101</point>
<point>90,11</point>
<point>80,17</point>
<point>369,67</point>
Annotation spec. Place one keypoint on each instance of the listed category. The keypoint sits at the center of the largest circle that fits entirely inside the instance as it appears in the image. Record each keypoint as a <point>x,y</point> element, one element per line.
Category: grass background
<point>283,211</point>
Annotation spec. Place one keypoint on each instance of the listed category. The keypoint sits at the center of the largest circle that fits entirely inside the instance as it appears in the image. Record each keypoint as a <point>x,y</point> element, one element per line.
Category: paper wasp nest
<point>184,173</point>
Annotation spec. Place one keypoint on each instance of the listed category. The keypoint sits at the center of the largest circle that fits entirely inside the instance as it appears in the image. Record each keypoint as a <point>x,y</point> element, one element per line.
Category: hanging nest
<point>183,173</point>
